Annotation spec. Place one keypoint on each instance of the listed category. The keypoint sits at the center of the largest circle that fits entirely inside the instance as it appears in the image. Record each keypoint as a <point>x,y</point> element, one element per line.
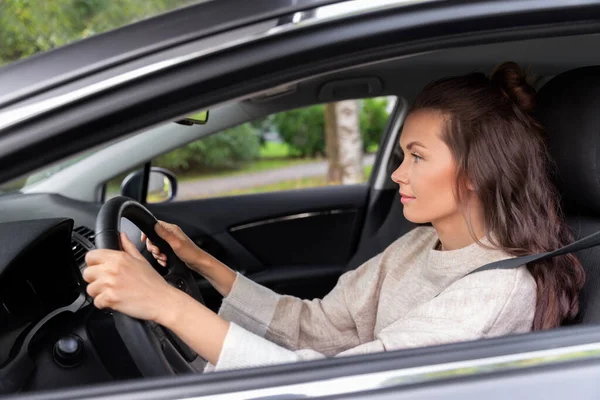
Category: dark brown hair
<point>500,149</point>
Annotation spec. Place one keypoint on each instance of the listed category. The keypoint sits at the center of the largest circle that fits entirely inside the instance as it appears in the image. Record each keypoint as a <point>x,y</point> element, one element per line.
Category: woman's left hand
<point>124,281</point>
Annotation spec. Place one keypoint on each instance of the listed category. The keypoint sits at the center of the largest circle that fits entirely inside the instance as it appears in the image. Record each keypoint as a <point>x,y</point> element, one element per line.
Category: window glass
<point>289,150</point>
<point>112,187</point>
<point>28,27</point>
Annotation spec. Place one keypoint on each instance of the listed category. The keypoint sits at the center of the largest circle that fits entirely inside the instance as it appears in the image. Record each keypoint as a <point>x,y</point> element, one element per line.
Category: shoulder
<point>508,295</point>
<point>502,282</point>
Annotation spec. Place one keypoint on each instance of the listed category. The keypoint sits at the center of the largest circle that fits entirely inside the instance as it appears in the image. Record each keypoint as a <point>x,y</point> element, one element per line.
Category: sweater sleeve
<point>244,349</point>
<point>324,325</point>
<point>473,308</point>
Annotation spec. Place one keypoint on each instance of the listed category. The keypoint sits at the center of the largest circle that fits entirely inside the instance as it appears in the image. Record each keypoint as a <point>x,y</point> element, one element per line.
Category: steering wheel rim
<point>154,351</point>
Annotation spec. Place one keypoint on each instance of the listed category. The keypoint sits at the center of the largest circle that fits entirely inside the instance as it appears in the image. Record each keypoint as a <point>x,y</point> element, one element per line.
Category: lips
<point>405,199</point>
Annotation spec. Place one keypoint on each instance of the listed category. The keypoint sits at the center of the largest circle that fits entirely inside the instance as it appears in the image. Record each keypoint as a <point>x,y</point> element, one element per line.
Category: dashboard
<point>43,242</point>
<point>37,274</point>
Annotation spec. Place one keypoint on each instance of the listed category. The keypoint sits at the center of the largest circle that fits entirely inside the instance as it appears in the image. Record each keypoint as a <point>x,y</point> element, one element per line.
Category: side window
<point>296,149</point>
<point>112,187</point>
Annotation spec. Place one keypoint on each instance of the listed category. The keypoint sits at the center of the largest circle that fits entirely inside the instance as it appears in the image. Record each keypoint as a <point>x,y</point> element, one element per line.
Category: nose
<point>400,175</point>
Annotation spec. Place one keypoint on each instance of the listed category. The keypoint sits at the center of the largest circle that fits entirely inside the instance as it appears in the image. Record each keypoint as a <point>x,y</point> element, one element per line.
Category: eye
<point>416,157</point>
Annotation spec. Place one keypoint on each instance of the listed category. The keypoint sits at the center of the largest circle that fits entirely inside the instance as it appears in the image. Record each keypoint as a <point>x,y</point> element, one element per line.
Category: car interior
<point>294,242</point>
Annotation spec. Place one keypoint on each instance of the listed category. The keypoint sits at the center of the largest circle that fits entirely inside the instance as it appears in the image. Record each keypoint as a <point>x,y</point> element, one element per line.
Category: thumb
<point>164,231</point>
<point>130,248</point>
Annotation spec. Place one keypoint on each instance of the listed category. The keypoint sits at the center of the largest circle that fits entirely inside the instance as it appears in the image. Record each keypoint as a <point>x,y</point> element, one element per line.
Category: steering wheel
<point>155,350</point>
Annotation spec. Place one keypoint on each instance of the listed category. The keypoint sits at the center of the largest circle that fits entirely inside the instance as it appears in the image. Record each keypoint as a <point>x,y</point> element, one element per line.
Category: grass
<point>274,150</point>
<point>293,184</point>
<point>256,166</point>
<point>301,183</point>
<point>272,156</point>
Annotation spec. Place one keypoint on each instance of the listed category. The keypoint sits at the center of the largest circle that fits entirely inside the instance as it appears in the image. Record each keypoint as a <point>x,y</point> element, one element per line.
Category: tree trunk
<point>343,143</point>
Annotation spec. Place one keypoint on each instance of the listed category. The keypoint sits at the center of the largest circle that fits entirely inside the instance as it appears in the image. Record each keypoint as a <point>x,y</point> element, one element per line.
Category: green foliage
<point>303,129</point>
<point>372,118</point>
<point>31,26</point>
<point>225,150</point>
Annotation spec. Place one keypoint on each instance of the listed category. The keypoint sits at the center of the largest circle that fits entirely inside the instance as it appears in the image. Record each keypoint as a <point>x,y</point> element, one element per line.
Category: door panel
<point>301,239</point>
<point>294,242</point>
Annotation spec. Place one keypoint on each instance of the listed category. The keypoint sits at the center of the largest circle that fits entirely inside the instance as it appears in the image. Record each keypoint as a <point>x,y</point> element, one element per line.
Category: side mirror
<point>162,185</point>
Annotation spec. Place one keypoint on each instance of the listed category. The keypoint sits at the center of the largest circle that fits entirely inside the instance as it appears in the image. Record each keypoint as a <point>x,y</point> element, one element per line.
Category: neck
<point>454,232</point>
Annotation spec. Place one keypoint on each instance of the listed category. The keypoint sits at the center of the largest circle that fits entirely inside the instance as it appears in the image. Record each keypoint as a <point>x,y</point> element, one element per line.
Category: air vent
<point>81,242</point>
<point>86,233</point>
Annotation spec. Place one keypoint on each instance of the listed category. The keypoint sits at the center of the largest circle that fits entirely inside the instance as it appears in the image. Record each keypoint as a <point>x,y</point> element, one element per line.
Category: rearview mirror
<point>200,118</point>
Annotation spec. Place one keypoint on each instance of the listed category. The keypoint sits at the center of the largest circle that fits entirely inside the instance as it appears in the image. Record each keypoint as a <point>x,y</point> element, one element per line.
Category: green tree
<point>228,149</point>
<point>31,26</point>
<point>373,118</point>
<point>303,129</point>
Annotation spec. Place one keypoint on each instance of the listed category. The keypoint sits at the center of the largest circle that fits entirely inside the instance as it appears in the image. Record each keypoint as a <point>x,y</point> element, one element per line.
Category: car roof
<point>92,55</point>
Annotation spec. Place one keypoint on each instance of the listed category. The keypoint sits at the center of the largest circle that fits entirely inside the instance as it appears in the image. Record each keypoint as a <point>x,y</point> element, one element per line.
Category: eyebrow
<point>412,144</point>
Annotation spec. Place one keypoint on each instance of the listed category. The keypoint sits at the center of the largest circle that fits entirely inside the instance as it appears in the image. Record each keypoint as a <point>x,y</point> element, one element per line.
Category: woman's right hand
<point>182,245</point>
<point>218,274</point>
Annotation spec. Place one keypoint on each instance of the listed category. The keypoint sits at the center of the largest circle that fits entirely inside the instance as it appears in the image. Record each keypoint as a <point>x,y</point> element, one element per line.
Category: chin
<point>415,218</point>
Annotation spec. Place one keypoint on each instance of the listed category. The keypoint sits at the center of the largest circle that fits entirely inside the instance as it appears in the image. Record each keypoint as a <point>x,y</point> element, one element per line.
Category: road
<point>211,186</point>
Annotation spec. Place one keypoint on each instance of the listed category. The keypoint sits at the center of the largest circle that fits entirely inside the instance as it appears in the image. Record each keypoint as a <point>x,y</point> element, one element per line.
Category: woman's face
<point>427,174</point>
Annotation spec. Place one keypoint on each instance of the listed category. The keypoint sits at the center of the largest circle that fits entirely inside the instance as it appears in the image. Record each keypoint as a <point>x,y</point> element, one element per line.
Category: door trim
<point>289,218</point>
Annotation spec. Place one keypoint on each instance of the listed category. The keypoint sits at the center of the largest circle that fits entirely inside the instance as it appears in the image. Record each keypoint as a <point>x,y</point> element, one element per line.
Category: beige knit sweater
<point>410,295</point>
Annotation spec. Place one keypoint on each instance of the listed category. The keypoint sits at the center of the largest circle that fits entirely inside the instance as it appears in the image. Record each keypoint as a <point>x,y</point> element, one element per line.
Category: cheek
<point>434,189</point>
<point>435,181</point>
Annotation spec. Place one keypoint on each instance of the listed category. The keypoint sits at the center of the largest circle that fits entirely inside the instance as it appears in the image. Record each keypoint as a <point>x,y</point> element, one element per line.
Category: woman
<point>475,167</point>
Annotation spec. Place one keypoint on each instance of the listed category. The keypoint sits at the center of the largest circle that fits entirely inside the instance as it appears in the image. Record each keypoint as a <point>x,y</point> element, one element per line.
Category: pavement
<point>212,186</point>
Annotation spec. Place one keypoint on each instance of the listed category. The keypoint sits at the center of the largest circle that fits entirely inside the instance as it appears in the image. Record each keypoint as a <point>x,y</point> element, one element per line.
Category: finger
<point>100,256</point>
<point>164,230</point>
<point>129,247</point>
<point>94,289</point>
<point>96,272</point>
<point>153,249</point>
<point>161,259</point>
<point>90,274</point>
<point>143,237</point>
<point>103,300</point>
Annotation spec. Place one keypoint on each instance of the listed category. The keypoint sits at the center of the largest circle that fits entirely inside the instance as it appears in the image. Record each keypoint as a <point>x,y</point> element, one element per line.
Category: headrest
<point>568,107</point>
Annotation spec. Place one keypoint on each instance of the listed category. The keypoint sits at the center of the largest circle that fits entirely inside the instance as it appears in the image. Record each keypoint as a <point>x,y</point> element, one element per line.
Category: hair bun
<point>512,82</point>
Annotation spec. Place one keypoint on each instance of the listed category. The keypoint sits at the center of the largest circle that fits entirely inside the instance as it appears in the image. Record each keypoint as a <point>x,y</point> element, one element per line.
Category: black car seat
<point>569,109</point>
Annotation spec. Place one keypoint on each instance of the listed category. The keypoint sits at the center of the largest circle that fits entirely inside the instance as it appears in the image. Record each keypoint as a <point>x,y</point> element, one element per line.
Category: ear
<point>470,186</point>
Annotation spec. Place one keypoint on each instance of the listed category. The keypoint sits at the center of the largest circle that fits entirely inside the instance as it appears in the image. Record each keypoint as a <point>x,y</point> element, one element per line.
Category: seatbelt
<point>581,244</point>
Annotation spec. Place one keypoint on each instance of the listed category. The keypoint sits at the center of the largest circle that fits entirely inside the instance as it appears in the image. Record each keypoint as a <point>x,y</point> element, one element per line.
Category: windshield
<point>28,27</point>
<point>42,174</point>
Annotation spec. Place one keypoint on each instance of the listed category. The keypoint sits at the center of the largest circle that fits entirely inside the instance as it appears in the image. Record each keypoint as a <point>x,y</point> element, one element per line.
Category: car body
<point>243,62</point>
